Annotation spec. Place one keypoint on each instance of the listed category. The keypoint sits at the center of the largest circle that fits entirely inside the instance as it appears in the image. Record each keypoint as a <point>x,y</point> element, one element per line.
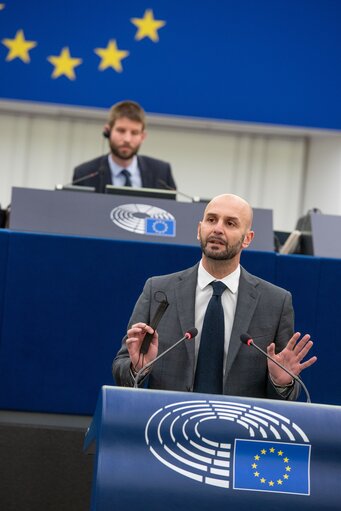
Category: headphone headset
<point>106,133</point>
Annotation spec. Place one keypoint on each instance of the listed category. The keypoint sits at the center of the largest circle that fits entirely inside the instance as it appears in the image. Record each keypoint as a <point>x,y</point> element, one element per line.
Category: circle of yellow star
<point>19,47</point>
<point>64,64</point>
<point>147,26</point>
<point>111,56</point>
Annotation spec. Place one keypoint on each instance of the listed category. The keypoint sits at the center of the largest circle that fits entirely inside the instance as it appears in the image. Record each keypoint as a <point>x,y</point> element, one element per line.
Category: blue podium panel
<point>177,451</point>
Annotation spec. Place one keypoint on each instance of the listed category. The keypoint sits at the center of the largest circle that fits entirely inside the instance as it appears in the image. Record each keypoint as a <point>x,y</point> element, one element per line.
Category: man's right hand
<point>136,334</point>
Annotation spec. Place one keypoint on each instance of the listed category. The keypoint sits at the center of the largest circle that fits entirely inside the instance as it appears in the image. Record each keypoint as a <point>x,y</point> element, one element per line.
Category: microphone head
<point>192,332</point>
<point>246,339</point>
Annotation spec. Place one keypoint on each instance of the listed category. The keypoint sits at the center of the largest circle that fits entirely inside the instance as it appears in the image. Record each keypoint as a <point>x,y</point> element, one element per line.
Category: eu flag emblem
<point>271,466</point>
<point>160,227</point>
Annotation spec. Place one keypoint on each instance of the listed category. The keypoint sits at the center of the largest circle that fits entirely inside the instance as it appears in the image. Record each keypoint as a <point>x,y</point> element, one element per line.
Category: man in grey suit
<point>125,131</point>
<point>249,305</point>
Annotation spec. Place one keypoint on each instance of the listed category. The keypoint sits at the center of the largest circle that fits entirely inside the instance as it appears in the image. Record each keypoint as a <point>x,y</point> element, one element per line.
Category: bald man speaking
<point>223,301</point>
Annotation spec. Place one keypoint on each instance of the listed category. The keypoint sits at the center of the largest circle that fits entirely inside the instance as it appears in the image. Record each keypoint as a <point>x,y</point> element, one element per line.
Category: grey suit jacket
<point>154,173</point>
<point>264,311</point>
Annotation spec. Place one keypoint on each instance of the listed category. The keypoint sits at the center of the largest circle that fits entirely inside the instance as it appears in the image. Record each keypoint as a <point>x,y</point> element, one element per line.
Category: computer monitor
<point>151,193</point>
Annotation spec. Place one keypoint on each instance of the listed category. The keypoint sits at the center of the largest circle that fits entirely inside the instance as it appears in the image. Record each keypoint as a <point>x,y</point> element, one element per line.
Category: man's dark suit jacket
<point>154,173</point>
<point>263,310</point>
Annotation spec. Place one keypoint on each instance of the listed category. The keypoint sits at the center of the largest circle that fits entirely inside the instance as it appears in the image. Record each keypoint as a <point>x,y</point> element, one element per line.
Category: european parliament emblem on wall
<point>234,446</point>
<point>144,219</point>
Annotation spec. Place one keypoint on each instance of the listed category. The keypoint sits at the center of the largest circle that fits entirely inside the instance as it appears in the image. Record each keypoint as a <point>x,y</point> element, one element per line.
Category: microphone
<point>100,172</point>
<point>76,181</point>
<point>190,334</point>
<point>246,339</point>
<point>166,185</point>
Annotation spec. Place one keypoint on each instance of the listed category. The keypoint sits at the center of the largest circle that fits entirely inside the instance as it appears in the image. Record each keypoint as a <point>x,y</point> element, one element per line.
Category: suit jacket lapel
<point>185,302</point>
<point>146,176</point>
<point>105,169</point>
<point>248,296</point>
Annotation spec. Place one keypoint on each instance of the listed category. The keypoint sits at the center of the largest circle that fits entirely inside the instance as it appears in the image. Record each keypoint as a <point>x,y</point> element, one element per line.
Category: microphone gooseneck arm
<point>190,334</point>
<point>166,185</point>
<point>246,339</point>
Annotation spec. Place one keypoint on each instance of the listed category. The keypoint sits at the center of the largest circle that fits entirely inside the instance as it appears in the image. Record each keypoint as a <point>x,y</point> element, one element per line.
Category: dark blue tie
<point>209,371</point>
<point>127,175</point>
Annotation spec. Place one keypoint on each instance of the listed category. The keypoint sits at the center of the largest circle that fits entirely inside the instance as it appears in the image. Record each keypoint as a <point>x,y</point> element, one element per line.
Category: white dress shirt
<point>228,299</point>
<point>118,179</point>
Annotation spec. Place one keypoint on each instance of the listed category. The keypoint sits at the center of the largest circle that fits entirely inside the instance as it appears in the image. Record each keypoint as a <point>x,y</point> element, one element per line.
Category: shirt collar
<point>231,280</point>
<point>116,169</point>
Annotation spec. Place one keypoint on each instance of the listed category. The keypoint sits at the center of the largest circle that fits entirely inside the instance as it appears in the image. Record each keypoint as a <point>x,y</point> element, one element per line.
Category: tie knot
<point>218,288</point>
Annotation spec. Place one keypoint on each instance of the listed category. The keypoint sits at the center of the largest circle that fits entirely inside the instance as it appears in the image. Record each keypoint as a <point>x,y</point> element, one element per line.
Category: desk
<point>65,302</point>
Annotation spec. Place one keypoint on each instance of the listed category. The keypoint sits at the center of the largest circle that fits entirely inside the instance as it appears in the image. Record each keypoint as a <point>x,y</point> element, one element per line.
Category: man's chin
<point>217,255</point>
<point>126,155</point>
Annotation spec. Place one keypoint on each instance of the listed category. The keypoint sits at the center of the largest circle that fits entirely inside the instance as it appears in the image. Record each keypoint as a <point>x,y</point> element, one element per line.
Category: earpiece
<point>106,133</point>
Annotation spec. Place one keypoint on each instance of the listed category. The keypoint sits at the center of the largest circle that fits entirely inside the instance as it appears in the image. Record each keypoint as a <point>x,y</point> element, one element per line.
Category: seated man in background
<point>125,132</point>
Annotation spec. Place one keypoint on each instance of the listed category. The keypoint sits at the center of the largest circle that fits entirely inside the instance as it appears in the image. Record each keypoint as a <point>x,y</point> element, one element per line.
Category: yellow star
<point>280,453</point>
<point>147,26</point>
<point>288,469</point>
<point>256,474</point>
<point>286,476</point>
<point>272,449</point>
<point>19,47</point>
<point>256,457</point>
<point>64,64</point>
<point>286,460</point>
<point>263,480</point>
<point>271,483</point>
<point>279,481</point>
<point>263,451</point>
<point>254,465</point>
<point>111,56</point>
<point>2,6</point>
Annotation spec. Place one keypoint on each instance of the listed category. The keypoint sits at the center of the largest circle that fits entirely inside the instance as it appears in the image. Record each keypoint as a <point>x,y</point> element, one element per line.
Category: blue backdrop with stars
<point>251,60</point>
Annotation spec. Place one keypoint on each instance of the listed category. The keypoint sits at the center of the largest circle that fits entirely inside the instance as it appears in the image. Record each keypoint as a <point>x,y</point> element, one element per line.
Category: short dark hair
<point>129,109</point>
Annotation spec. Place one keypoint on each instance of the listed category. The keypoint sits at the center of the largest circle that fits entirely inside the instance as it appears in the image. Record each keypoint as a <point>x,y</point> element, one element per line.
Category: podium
<point>120,217</point>
<point>183,451</point>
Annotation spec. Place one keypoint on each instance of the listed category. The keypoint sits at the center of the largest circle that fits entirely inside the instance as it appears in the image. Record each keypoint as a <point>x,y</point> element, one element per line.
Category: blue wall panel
<point>251,60</point>
<point>67,301</point>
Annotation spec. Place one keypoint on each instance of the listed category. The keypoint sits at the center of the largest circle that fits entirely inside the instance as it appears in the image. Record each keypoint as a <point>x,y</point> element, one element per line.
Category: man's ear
<point>198,231</point>
<point>248,238</point>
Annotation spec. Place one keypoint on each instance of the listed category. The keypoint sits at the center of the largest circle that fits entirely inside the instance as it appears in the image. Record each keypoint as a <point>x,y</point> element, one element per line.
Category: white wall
<point>323,180</point>
<point>39,146</point>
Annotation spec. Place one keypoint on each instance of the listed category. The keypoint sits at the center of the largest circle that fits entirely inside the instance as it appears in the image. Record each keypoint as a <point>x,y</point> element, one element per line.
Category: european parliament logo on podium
<point>234,446</point>
<point>144,219</point>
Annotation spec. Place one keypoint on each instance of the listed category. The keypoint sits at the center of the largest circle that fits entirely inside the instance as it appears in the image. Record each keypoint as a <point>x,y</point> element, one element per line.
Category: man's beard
<point>229,253</point>
<point>116,151</point>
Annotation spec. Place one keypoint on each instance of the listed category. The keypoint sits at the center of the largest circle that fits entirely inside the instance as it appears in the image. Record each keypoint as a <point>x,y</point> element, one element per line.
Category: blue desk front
<point>174,450</point>
<point>65,302</point>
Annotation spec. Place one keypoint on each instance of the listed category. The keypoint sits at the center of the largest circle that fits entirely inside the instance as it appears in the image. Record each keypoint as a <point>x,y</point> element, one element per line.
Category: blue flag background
<point>272,467</point>
<point>251,60</point>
